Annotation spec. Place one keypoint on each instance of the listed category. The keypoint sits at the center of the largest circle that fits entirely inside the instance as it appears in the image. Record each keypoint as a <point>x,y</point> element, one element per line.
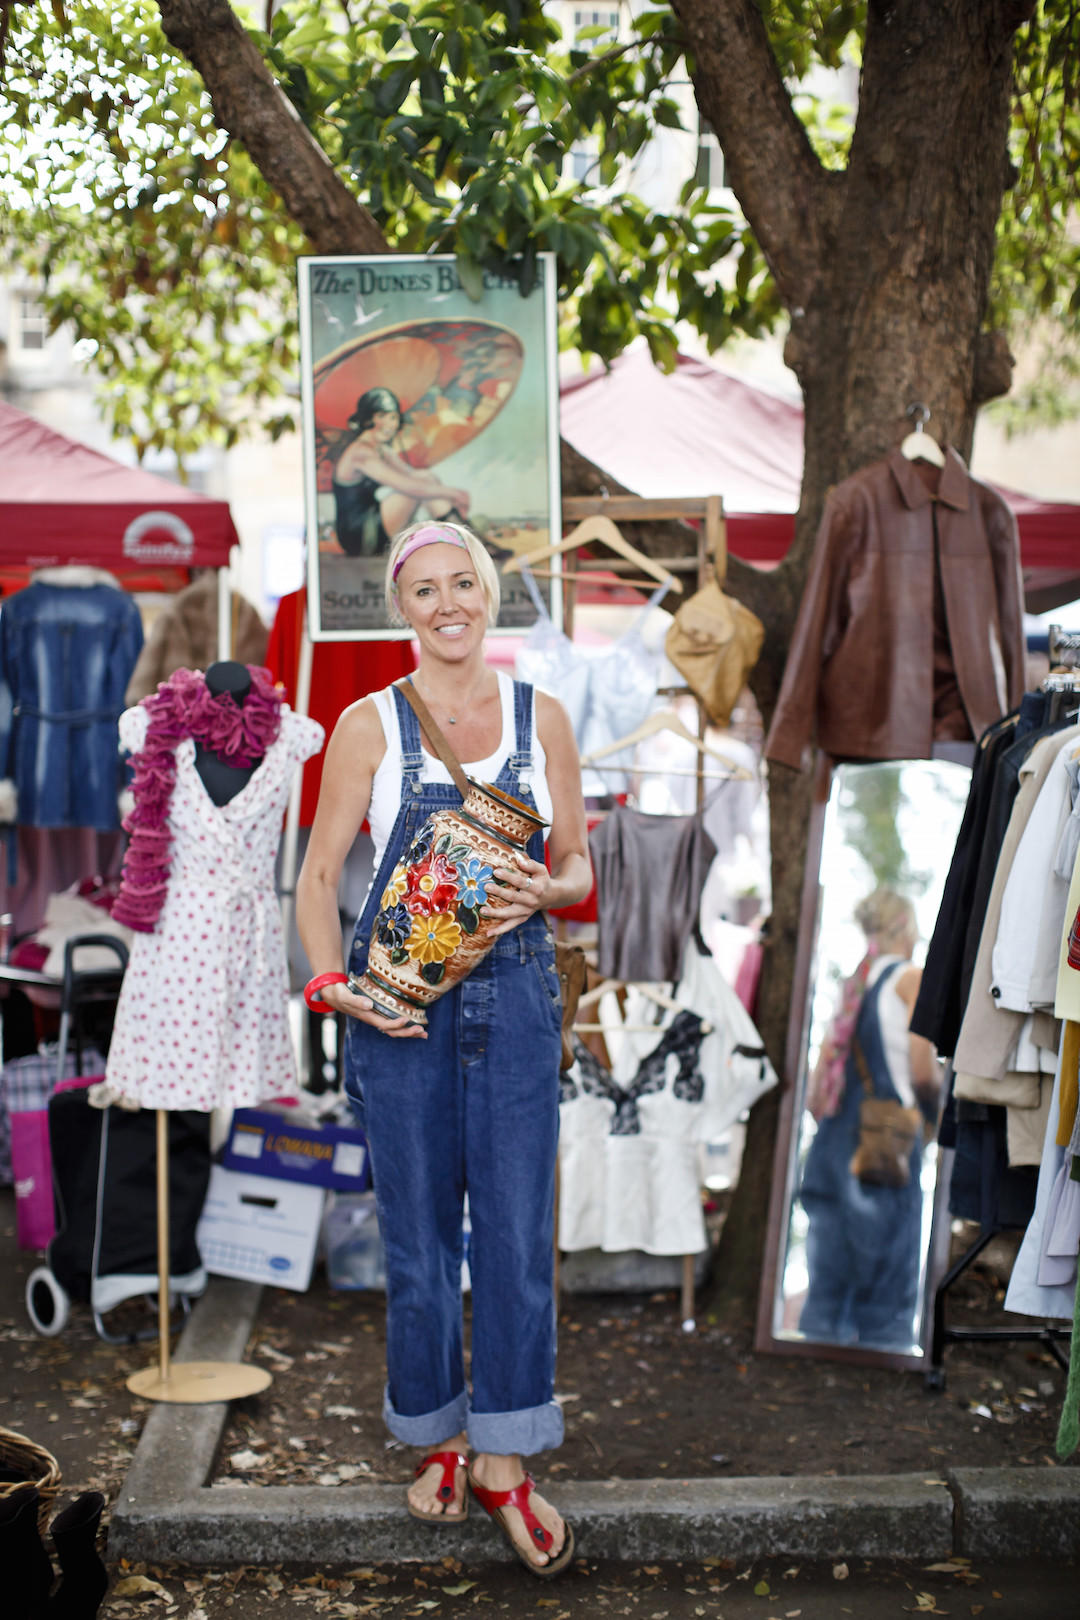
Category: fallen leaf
<point>245,1459</point>
<point>138,1586</point>
<point>761,1589</point>
<point>840,1572</point>
<point>456,1591</point>
<point>926,1603</point>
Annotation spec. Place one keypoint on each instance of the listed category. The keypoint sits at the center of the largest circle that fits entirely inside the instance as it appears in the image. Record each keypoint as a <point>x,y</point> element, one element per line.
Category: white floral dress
<point>202,1016</point>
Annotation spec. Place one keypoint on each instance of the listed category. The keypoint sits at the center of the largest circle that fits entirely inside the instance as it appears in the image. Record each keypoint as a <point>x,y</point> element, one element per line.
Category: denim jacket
<point>68,645</point>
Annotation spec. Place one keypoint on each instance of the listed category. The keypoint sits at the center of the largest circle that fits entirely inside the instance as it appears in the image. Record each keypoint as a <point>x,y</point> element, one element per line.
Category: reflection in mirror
<point>862,1173</point>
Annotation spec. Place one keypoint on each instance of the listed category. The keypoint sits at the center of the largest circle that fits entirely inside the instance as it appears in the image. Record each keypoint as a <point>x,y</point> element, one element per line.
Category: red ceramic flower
<point>431,886</point>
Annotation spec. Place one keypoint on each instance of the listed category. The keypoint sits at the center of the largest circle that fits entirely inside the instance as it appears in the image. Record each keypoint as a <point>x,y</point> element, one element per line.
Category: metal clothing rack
<point>1049,1335</point>
<point>1062,684</point>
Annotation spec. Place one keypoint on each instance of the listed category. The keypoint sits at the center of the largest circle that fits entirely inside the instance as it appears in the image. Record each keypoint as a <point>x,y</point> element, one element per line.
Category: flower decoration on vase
<point>428,932</point>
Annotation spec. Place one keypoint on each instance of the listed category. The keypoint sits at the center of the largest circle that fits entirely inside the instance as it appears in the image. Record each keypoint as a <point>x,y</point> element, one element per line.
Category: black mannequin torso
<point>221,780</point>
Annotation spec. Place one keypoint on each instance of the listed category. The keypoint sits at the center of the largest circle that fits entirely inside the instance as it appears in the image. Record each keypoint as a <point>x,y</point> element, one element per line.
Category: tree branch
<point>251,108</point>
<point>781,186</point>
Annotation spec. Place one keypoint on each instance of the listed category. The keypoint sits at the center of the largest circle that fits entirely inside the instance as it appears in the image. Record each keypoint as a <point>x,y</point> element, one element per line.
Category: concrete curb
<point>168,1512</point>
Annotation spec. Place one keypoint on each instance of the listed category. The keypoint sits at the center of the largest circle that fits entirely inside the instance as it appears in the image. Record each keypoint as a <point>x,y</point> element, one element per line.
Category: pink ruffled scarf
<point>827,1081</point>
<point>183,707</point>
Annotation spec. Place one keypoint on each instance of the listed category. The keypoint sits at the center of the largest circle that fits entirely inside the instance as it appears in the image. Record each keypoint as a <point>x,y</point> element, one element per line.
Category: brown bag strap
<point>862,1068</point>
<point>433,734</point>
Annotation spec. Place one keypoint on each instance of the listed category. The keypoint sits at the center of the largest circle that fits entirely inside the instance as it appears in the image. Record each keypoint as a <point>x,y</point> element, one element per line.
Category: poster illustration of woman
<point>450,413</point>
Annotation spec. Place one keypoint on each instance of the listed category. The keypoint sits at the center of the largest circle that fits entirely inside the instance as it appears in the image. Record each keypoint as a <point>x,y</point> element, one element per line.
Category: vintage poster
<point>420,402</point>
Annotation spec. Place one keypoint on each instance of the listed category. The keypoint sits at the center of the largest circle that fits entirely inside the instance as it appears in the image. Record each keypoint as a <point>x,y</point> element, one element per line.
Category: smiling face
<point>442,600</point>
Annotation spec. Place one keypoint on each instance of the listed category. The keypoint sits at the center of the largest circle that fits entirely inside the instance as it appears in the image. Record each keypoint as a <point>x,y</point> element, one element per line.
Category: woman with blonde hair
<point>469,1105</point>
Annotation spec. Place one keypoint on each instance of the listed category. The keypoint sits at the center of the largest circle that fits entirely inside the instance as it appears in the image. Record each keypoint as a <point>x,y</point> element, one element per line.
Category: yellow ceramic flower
<point>435,938</point>
<point>394,889</point>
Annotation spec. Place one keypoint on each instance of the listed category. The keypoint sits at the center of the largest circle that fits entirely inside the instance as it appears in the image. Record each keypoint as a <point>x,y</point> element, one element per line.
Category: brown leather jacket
<point>861,669</point>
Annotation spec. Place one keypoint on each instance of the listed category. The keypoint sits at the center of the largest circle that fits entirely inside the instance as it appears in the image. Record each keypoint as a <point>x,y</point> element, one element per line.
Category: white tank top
<point>893,1016</point>
<point>386,788</point>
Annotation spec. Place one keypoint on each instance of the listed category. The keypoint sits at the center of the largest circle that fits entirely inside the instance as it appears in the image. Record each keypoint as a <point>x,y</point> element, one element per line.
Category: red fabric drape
<point>341,672</point>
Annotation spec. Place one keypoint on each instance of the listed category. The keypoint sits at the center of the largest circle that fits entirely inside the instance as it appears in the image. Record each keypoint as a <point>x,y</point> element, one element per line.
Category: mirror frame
<point>781,1195</point>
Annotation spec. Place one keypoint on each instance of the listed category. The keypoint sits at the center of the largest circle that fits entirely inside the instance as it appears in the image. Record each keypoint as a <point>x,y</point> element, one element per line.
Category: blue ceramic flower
<point>473,879</point>
<point>393,925</point>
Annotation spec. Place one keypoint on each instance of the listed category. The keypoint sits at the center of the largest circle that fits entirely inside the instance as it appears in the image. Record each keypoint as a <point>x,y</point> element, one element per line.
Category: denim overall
<point>863,1245</point>
<point>474,1108</point>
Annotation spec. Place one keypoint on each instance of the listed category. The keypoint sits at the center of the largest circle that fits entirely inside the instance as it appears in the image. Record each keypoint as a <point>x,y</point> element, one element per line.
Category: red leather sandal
<point>493,1503</point>
<point>449,1462</point>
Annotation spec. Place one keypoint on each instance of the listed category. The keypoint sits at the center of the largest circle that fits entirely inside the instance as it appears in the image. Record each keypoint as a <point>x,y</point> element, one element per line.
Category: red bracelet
<point>314,985</point>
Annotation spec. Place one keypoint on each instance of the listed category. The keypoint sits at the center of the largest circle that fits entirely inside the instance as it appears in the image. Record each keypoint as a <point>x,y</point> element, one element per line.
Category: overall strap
<point>867,1046</point>
<point>412,753</point>
<point>521,760</point>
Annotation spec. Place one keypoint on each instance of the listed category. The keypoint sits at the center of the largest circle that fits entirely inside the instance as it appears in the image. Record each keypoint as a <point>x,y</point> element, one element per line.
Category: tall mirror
<point>857,1165</point>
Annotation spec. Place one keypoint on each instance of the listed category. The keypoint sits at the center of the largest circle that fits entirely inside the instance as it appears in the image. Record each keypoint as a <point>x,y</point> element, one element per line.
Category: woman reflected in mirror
<point>874,1092</point>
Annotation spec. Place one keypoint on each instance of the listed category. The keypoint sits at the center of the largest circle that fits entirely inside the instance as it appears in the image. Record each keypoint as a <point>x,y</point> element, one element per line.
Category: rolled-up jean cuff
<point>534,1428</point>
<point>428,1428</point>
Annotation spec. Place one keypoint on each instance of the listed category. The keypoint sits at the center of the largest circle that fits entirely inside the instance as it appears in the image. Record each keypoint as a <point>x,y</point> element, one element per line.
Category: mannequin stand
<point>185,1382</point>
<point>192,1382</point>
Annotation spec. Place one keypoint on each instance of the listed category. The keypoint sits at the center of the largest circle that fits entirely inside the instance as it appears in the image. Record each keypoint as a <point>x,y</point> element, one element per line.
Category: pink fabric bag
<point>31,1167</point>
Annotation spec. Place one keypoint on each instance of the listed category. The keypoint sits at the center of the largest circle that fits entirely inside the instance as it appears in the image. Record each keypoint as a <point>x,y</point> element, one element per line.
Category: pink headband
<point>432,534</point>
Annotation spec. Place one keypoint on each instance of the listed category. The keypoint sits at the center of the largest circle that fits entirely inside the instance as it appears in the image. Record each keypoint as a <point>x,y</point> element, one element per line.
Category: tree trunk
<point>887,304</point>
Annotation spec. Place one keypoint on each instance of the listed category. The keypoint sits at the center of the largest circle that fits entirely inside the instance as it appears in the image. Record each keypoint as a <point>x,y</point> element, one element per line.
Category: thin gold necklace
<point>451,719</point>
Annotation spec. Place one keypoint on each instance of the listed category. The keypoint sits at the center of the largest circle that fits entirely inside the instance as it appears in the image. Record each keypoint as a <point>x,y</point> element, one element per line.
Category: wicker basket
<point>35,1466</point>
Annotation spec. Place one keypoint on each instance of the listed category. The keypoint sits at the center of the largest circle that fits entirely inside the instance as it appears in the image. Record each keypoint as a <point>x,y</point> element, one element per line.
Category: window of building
<point>709,170</point>
<point>582,159</point>
<point>605,17</point>
<point>31,324</point>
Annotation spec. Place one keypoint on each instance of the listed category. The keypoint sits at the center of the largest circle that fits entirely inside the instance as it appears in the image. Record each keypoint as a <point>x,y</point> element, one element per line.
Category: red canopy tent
<point>61,502</point>
<point>700,431</point>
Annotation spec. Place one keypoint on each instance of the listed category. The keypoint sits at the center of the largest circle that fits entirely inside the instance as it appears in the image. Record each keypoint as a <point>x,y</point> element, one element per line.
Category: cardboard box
<point>265,1142</point>
<point>259,1229</point>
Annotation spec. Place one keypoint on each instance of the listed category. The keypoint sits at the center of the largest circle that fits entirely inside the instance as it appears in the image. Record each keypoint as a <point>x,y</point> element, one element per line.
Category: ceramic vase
<point>428,933</point>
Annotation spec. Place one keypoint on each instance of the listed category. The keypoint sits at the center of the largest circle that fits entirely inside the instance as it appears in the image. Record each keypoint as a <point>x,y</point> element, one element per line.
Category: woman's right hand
<point>343,1000</point>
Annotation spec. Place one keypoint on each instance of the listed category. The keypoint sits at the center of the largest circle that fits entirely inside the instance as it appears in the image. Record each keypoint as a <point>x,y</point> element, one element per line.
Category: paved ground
<point>764,1590</point>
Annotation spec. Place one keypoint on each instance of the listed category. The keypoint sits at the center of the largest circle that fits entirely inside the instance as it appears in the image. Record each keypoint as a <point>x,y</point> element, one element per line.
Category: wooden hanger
<point>652,992</point>
<point>668,720</point>
<point>601,529</point>
<point>919,446</point>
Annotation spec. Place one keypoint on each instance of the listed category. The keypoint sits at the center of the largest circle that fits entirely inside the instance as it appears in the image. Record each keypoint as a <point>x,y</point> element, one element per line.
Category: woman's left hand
<point>523,887</point>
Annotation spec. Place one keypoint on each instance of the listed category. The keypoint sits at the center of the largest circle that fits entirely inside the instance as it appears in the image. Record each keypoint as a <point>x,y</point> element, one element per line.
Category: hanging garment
<point>341,673</point>
<point>990,1033</point>
<point>629,1134</point>
<point>1028,939</point>
<point>953,949</point>
<point>202,1019</point>
<point>606,693</point>
<point>1025,1293</point>
<point>650,874</point>
<point>872,667</point>
<point>185,636</point>
<point>68,644</point>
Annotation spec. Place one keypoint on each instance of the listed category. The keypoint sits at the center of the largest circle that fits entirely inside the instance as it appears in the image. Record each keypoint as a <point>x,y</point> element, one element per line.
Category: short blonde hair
<point>886,917</point>
<point>486,572</point>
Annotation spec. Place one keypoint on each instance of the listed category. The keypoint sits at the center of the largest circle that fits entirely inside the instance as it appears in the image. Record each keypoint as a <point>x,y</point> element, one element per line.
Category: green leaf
<point>471,275</point>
